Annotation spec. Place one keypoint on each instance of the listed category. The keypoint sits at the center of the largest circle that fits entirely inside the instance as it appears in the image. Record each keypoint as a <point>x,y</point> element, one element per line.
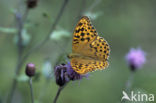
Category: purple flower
<point>64,73</point>
<point>61,75</point>
<point>136,58</point>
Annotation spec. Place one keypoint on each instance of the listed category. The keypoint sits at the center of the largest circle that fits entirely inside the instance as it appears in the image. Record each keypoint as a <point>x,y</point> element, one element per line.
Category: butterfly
<point>90,52</point>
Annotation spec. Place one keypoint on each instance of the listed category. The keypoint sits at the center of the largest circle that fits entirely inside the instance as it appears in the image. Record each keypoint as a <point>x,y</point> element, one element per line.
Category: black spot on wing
<point>80,24</point>
<point>88,39</point>
<point>82,39</point>
<point>82,34</point>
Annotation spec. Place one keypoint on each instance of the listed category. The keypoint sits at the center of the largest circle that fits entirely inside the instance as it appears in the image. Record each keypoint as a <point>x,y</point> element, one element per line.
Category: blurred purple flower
<point>136,58</point>
<point>64,73</point>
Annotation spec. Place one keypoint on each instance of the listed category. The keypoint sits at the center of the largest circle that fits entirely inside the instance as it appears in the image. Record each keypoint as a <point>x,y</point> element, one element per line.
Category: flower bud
<point>60,75</point>
<point>30,69</point>
<point>31,3</point>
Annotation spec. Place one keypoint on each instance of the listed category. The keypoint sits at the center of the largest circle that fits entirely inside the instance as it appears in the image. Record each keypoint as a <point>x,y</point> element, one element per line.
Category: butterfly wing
<point>84,34</point>
<point>89,51</point>
<point>83,65</point>
<point>86,41</point>
<point>100,49</point>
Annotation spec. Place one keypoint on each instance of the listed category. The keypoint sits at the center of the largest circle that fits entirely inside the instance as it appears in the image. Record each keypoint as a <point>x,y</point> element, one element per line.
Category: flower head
<point>64,73</point>
<point>61,75</point>
<point>30,69</point>
<point>136,58</point>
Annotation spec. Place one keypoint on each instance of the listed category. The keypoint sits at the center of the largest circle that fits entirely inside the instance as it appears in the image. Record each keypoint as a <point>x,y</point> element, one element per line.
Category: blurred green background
<point>123,23</point>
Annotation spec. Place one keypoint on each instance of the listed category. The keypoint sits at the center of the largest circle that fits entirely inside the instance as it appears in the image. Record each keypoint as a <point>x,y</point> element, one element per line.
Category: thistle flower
<point>30,69</point>
<point>61,75</point>
<point>136,58</point>
<point>64,73</point>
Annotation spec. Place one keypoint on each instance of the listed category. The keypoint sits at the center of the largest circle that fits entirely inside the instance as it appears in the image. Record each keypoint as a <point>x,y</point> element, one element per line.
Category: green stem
<point>58,93</point>
<point>128,84</point>
<point>31,90</point>
<point>20,23</point>
<point>22,60</point>
<point>129,81</point>
<point>36,47</point>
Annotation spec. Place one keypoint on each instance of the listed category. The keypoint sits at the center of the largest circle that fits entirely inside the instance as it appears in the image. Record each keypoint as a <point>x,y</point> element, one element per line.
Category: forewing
<point>84,34</point>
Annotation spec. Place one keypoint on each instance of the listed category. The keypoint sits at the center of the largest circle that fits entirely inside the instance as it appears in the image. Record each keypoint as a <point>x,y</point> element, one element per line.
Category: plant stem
<point>50,32</point>
<point>22,60</point>
<point>31,90</point>
<point>58,93</point>
<point>129,81</point>
<point>20,23</point>
<point>129,84</point>
<point>13,86</point>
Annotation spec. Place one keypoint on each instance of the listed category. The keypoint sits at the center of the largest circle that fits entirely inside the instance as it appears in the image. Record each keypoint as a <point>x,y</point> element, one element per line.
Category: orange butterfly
<point>90,52</point>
